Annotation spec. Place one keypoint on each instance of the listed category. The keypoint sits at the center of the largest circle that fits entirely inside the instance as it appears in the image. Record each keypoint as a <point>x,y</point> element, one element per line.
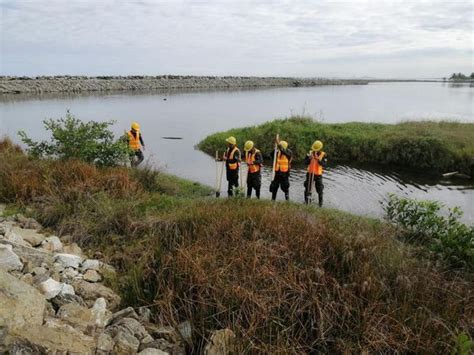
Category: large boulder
<point>92,291</point>
<point>21,305</point>
<point>9,261</point>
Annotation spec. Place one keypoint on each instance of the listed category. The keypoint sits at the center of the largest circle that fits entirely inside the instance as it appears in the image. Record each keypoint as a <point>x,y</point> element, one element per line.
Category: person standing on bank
<point>316,160</point>
<point>232,164</point>
<point>135,143</point>
<point>254,160</point>
<point>282,170</point>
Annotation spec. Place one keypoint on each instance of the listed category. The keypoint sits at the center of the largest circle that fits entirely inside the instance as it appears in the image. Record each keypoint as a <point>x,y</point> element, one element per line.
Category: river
<point>193,115</point>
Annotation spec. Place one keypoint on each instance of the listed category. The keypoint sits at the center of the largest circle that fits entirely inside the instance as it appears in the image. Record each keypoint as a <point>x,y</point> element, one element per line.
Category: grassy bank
<point>435,146</point>
<point>285,277</point>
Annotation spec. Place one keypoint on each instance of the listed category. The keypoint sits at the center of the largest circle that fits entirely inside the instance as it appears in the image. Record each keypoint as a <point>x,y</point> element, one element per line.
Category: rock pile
<point>52,301</point>
<point>76,84</point>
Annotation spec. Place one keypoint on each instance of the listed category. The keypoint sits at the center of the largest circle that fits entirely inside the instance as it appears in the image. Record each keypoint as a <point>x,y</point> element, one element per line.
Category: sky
<point>305,38</point>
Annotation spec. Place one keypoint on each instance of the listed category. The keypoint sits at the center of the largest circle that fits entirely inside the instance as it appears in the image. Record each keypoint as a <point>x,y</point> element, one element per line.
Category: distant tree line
<point>460,76</point>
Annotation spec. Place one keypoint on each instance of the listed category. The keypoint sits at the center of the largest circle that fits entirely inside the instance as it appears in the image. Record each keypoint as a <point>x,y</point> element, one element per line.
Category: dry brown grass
<point>285,278</point>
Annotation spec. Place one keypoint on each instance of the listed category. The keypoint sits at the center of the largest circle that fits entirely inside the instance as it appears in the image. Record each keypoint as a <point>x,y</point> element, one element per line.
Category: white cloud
<point>305,38</point>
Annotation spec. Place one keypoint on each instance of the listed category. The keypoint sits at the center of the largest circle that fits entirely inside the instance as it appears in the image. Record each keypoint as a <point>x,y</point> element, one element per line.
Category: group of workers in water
<point>315,160</point>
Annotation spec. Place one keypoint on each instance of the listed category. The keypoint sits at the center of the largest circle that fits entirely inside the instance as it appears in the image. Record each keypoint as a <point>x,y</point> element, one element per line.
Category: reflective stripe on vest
<point>283,164</point>
<point>233,166</point>
<point>253,168</point>
<point>134,142</point>
<point>314,166</point>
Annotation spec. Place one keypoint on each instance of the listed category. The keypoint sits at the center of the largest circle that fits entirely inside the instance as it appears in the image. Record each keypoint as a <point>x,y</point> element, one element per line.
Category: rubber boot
<point>274,195</point>
<point>287,196</point>
<point>257,193</point>
<point>320,198</point>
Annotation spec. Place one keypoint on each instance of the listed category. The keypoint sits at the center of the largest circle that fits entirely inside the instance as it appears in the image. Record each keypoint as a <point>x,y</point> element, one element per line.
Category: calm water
<point>194,114</point>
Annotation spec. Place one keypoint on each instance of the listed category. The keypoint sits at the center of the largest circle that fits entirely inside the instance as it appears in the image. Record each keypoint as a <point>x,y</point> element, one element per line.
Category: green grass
<point>286,278</point>
<point>423,145</point>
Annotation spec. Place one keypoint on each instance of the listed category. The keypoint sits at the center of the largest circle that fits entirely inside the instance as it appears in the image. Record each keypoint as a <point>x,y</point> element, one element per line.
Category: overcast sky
<point>282,38</point>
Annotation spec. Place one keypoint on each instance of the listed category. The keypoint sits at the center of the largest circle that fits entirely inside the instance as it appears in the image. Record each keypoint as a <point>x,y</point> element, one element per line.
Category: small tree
<point>71,138</point>
<point>472,76</point>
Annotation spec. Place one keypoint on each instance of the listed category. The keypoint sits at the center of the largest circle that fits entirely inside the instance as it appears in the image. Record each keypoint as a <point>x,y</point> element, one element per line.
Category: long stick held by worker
<point>275,156</point>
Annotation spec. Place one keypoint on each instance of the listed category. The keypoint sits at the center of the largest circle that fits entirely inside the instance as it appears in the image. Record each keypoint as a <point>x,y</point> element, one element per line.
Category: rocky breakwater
<point>52,301</point>
<point>43,84</point>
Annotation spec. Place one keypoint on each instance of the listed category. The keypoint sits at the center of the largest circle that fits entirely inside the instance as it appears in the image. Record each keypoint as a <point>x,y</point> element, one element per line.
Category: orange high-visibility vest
<point>315,166</point>
<point>134,141</point>
<point>253,168</point>
<point>283,164</point>
<point>232,166</point>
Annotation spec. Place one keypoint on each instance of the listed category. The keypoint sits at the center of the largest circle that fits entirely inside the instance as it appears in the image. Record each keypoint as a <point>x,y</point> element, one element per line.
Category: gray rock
<point>32,256</point>
<point>153,351</point>
<point>39,271</point>
<point>129,326</point>
<point>52,244</point>
<point>63,299</point>
<point>15,238</point>
<point>144,314</point>
<point>92,291</point>
<point>20,304</point>
<point>69,274</point>
<point>80,318</point>
<point>125,343</point>
<point>68,260</point>
<point>100,313</point>
<point>105,343</point>
<point>29,235</point>
<point>128,312</point>
<point>27,278</point>
<point>8,259</point>
<point>51,288</point>
<point>91,264</point>
<point>73,249</point>
<point>28,223</point>
<point>92,276</point>
<point>221,343</point>
<point>164,345</point>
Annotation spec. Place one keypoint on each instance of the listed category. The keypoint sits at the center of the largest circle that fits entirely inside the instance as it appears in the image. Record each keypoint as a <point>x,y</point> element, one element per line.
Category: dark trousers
<point>282,180</point>
<point>254,181</point>
<point>136,157</point>
<point>318,183</point>
<point>233,180</point>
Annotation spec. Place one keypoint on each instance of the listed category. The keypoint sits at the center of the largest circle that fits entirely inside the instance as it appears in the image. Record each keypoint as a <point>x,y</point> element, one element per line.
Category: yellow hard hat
<point>248,146</point>
<point>135,126</point>
<point>317,146</point>
<point>231,140</point>
<point>284,144</point>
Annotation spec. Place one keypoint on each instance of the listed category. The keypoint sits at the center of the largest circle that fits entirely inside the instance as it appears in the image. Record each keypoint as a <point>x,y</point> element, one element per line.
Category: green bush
<point>71,138</point>
<point>422,223</point>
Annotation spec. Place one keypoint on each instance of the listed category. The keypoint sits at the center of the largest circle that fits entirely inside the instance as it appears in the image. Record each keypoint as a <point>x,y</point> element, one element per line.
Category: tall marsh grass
<point>424,145</point>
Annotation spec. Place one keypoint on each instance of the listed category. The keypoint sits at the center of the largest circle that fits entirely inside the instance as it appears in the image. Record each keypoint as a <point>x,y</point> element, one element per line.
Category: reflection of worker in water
<point>135,142</point>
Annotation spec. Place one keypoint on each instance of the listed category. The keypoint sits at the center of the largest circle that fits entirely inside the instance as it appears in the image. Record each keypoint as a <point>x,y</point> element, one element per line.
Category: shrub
<point>90,141</point>
<point>422,223</point>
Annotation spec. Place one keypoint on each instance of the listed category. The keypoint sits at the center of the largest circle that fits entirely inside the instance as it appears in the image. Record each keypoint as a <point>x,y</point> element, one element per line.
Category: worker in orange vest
<point>254,160</point>
<point>282,170</point>
<point>135,143</point>
<point>232,164</point>
<point>316,160</point>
